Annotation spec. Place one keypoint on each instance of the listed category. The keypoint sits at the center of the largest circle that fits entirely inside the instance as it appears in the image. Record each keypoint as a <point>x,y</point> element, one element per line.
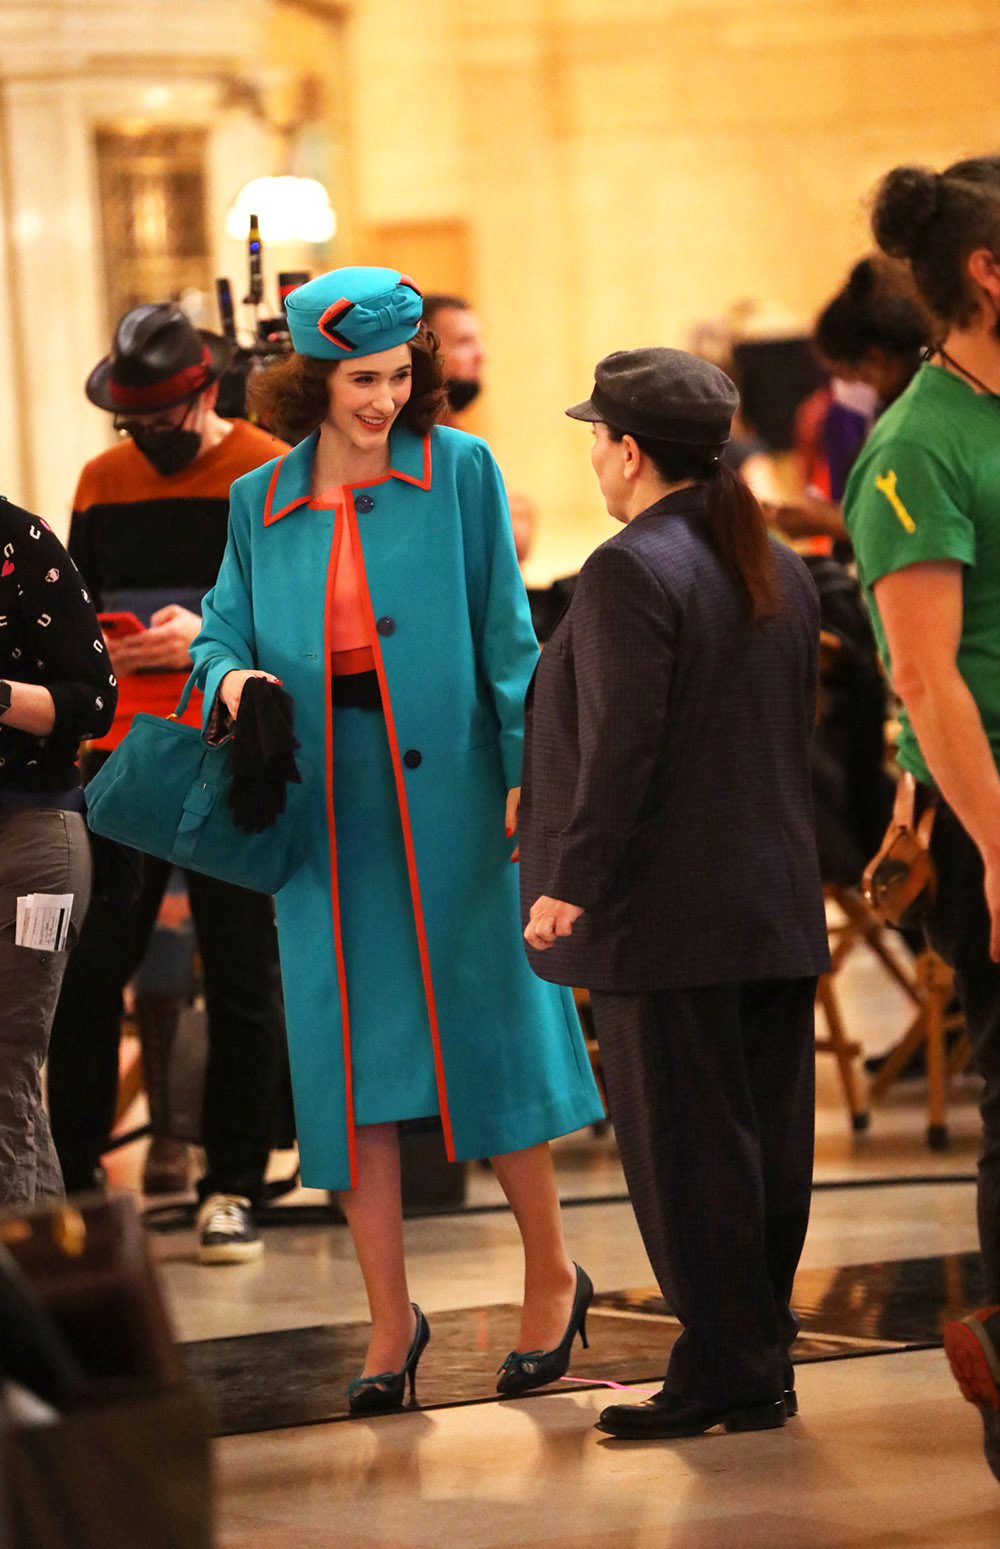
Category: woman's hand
<point>231,687</point>
<point>513,806</point>
<point>550,918</point>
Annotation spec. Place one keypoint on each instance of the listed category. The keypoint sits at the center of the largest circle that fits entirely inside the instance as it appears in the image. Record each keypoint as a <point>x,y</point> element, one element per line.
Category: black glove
<point>262,755</point>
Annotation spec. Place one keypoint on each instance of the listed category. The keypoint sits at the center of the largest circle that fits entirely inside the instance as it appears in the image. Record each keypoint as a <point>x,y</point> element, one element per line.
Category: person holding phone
<point>117,625</point>
<point>56,687</point>
<point>148,533</point>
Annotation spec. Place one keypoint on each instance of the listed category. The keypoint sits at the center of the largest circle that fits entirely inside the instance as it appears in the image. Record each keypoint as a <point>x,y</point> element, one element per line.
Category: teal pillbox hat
<point>351,312</point>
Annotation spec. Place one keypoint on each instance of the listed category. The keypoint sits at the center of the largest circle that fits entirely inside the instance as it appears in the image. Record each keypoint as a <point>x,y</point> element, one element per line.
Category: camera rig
<point>269,336</point>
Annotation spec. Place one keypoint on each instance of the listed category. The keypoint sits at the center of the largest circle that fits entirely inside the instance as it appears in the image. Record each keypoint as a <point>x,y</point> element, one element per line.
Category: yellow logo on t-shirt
<point>886,482</point>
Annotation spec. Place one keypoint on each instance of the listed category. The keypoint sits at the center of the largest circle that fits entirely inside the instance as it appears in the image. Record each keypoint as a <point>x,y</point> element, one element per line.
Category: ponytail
<point>738,533</point>
<point>734,522</point>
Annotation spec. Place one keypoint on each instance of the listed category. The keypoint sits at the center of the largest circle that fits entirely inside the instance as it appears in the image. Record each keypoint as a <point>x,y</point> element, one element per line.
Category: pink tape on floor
<point>620,1387</point>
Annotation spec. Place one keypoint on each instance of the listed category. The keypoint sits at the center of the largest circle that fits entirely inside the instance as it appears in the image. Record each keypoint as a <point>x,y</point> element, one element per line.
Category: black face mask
<point>461,392</point>
<point>169,449</point>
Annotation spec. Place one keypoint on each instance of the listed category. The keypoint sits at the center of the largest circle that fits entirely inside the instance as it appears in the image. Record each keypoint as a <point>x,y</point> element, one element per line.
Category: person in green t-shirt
<point>922,507</point>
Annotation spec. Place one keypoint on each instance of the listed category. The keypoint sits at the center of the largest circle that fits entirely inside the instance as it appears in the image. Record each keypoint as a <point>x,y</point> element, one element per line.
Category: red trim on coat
<point>270,515</point>
<point>425,481</point>
<point>404,815</point>
<point>339,528</point>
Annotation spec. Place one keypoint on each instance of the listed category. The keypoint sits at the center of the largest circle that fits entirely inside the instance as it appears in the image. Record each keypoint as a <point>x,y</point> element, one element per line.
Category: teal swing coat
<point>449,626</point>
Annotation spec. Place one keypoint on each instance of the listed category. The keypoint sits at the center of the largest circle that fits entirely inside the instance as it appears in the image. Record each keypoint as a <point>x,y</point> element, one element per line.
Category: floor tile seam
<point>166,1219</point>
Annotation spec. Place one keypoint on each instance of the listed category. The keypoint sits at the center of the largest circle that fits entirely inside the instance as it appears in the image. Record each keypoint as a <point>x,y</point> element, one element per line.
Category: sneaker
<point>972,1346</point>
<point>226,1231</point>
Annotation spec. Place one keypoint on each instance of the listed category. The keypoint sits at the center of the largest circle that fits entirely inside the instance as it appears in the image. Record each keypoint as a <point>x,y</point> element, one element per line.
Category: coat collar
<point>694,498</point>
<point>409,461</point>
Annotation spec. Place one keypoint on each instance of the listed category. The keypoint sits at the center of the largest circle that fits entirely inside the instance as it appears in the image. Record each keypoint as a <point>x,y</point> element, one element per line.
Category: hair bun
<point>908,200</point>
<point>863,280</point>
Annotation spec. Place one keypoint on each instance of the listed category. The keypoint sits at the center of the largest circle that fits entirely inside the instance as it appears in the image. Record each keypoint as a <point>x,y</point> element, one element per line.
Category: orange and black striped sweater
<point>142,540</point>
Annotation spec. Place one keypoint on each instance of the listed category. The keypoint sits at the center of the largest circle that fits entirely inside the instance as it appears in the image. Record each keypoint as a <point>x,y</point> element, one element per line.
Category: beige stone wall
<point>625,167</point>
<point>598,173</point>
<point>236,69</point>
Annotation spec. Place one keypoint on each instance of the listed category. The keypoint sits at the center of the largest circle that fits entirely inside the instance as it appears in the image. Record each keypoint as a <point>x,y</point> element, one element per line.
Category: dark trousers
<point>238,944</point>
<point>958,926</point>
<point>712,1096</point>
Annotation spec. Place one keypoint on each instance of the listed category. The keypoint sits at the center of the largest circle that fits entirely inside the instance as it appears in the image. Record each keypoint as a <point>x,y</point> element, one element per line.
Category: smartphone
<point>118,624</point>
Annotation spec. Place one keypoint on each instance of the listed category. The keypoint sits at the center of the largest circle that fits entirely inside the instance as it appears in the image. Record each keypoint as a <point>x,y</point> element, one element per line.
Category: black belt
<point>355,691</point>
<point>72,800</point>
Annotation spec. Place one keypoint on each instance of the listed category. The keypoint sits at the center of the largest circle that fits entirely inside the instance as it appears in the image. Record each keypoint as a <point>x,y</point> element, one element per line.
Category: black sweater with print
<point>49,634</point>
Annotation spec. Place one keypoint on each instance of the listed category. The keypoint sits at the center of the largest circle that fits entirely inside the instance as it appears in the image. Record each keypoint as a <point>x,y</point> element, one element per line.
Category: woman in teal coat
<point>372,571</point>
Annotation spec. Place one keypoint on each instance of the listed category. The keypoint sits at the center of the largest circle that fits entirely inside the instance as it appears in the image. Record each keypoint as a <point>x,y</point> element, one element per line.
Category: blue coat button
<point>364,503</point>
<point>386,626</point>
<point>411,758</point>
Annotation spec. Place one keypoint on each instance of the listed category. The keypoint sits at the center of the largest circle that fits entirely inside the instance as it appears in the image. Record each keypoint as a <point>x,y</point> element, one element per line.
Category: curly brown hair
<point>290,396</point>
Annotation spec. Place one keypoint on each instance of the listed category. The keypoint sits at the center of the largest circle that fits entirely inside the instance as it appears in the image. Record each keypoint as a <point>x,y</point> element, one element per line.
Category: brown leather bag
<point>900,883</point>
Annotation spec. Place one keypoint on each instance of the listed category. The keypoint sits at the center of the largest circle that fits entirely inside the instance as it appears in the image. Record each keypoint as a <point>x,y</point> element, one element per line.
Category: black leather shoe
<point>669,1415</point>
<point>524,1370</point>
<point>789,1394</point>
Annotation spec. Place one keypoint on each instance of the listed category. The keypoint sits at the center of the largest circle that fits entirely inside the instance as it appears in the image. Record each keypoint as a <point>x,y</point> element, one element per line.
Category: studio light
<point>289,209</point>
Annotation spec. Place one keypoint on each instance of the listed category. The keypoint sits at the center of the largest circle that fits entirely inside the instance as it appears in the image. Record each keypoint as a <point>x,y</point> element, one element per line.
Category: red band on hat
<point>335,313</point>
<point>181,385</point>
<point>404,279</point>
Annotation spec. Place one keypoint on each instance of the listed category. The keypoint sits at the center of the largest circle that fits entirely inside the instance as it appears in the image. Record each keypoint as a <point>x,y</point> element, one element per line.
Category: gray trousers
<point>42,850</point>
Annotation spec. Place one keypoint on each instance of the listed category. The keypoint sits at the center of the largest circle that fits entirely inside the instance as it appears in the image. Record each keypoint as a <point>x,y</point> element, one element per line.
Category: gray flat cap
<point>668,395</point>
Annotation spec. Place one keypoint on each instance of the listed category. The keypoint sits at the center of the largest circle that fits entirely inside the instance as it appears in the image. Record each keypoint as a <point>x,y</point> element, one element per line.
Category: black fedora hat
<point>158,360</point>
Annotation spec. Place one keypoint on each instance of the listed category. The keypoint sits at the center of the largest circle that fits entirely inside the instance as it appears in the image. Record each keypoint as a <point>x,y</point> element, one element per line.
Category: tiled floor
<point>881,1455</point>
<point>884,1452</point>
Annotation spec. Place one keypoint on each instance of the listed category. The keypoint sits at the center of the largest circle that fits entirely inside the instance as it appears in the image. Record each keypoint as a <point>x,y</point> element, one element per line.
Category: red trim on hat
<point>181,385</point>
<point>335,313</point>
<point>404,279</point>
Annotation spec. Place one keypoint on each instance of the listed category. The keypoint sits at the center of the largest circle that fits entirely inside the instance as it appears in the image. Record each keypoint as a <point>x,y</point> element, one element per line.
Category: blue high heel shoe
<point>524,1370</point>
<point>383,1393</point>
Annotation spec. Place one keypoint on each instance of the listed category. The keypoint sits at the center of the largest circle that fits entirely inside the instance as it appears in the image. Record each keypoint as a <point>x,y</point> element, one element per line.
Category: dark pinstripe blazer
<point>666,769</point>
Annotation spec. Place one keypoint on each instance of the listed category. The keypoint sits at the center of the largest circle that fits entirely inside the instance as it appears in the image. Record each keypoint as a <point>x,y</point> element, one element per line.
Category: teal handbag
<point>164,790</point>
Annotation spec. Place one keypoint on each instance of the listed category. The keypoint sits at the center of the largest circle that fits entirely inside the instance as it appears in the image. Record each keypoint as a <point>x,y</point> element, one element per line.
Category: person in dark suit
<point>668,864</point>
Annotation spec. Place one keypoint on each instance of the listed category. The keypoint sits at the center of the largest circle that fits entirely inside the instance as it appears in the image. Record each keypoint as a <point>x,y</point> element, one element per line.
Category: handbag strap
<point>905,803</point>
<point>186,693</point>
<point>904,807</point>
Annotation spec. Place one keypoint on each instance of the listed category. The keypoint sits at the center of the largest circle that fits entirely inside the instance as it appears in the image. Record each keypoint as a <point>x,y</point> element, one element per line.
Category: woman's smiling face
<point>366,396</point>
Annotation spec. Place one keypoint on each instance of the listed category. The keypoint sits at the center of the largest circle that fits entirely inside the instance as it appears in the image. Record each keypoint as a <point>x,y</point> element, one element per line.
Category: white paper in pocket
<point>43,921</point>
